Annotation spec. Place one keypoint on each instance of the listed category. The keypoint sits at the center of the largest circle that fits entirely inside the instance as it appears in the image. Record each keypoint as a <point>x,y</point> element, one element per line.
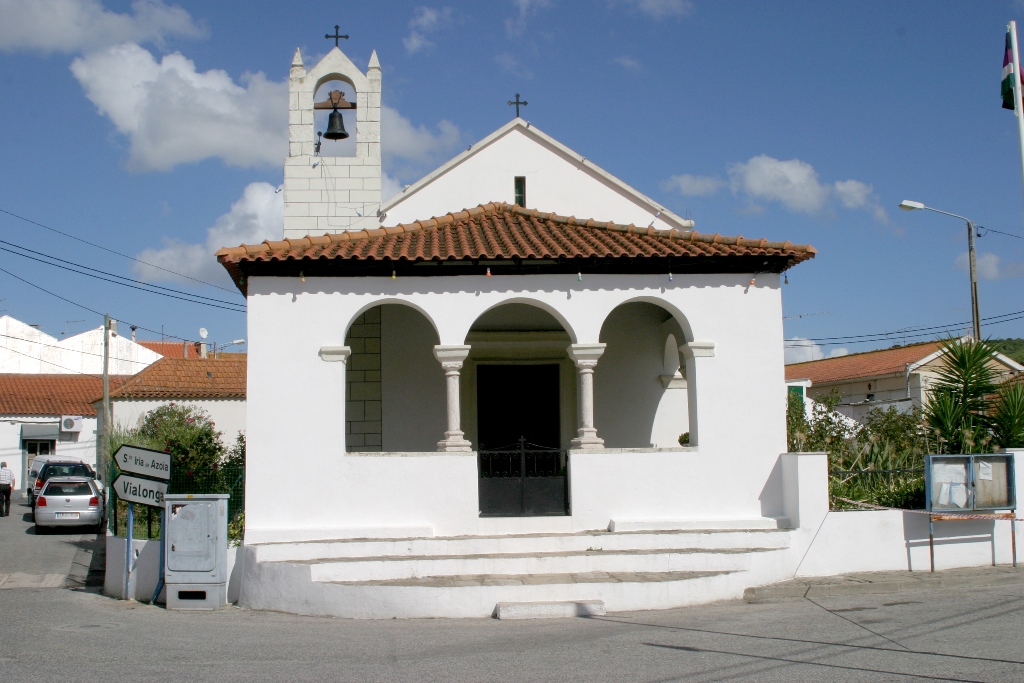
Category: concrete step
<point>356,569</point>
<point>548,610</point>
<point>524,543</point>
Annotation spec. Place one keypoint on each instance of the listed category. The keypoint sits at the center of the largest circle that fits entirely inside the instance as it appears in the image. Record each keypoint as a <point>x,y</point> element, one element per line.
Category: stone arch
<point>677,314</point>
<point>392,300</point>
<point>637,381</point>
<point>391,344</point>
<point>334,76</point>
<point>535,303</point>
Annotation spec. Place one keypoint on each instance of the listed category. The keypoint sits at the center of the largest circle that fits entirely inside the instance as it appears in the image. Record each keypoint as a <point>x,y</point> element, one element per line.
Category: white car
<point>69,501</point>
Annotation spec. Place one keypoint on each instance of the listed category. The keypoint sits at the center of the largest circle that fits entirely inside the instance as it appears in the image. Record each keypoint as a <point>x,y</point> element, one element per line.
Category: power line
<point>882,336</point>
<point>1008,234</point>
<point>229,307</point>
<point>63,348</point>
<point>103,272</point>
<point>116,253</point>
<point>86,308</point>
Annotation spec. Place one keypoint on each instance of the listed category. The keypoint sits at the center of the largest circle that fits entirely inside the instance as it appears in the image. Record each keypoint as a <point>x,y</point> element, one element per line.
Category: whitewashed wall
<point>555,182</point>
<point>228,415</point>
<point>296,401</point>
<point>25,349</point>
<point>75,445</point>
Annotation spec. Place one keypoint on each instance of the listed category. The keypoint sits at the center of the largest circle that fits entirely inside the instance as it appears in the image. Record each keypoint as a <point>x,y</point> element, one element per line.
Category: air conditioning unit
<point>71,423</point>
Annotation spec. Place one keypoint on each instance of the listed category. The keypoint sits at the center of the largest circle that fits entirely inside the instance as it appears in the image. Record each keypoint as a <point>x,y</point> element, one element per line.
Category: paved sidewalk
<point>887,582</point>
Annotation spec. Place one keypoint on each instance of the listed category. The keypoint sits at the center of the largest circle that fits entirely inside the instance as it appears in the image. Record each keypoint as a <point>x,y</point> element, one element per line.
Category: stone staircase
<point>467,576</point>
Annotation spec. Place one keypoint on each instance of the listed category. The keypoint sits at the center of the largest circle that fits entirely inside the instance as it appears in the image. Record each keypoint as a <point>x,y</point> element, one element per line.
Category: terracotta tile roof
<point>24,394</point>
<point>171,349</point>
<point>504,232</point>
<point>866,364</point>
<point>185,378</point>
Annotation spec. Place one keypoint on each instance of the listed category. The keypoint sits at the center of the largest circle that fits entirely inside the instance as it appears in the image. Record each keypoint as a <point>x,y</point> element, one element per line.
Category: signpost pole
<point>128,552</point>
<point>163,549</point>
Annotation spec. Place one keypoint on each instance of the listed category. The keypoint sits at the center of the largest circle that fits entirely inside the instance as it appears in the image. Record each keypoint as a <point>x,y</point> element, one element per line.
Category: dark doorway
<point>522,466</point>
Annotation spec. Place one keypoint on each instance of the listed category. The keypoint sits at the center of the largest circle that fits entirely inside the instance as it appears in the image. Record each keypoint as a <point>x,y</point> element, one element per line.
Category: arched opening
<point>519,409</point>
<point>394,387</point>
<point>641,393</point>
<point>335,148</point>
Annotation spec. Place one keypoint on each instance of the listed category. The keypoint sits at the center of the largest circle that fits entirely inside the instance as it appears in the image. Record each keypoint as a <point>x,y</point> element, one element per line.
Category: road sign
<point>144,461</point>
<point>135,490</point>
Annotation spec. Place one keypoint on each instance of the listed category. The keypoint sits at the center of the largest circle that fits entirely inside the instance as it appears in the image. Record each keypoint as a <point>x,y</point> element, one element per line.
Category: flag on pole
<point>1007,88</point>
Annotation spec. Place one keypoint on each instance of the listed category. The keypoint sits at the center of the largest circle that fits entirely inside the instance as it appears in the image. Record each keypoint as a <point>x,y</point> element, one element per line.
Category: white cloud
<point>81,25</point>
<point>426,20</point>
<point>509,63</point>
<point>800,350</point>
<point>628,63</point>
<point>990,266</point>
<point>661,9</point>
<point>256,216</point>
<point>173,114</point>
<point>389,187</point>
<point>516,25</point>
<point>693,185</point>
<point>401,139</point>
<point>794,183</point>
<point>853,194</point>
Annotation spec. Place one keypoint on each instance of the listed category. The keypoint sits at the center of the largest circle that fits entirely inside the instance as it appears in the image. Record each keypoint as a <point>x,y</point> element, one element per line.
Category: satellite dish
<point>203,333</point>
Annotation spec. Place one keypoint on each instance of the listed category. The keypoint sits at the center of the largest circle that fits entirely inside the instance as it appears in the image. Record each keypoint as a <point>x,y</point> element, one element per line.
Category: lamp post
<point>908,205</point>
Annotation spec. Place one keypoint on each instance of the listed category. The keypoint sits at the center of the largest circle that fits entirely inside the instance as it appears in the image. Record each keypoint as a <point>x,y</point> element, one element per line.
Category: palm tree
<point>960,405</point>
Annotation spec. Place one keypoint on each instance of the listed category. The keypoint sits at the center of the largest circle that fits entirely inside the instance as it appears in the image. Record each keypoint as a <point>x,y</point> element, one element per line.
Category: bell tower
<point>332,194</point>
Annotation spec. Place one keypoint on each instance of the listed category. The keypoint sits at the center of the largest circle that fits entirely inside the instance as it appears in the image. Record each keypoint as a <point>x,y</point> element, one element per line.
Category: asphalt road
<point>79,635</point>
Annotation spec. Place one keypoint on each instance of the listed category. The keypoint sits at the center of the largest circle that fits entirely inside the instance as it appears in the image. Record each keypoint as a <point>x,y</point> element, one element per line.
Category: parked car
<point>69,501</point>
<point>63,467</point>
<point>33,473</point>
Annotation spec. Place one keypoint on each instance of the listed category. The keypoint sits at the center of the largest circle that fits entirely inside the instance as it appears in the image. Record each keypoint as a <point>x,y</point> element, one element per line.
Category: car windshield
<point>64,470</point>
<point>68,488</point>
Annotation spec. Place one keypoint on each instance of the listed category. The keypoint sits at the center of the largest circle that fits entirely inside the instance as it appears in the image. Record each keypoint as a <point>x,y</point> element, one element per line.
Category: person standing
<point>7,484</point>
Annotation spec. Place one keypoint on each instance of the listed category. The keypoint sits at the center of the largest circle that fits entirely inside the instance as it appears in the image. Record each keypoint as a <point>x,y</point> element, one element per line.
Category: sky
<point>139,137</point>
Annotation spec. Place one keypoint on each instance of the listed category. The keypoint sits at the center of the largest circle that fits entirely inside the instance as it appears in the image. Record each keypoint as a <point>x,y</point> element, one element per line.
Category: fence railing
<point>217,479</point>
<point>903,488</point>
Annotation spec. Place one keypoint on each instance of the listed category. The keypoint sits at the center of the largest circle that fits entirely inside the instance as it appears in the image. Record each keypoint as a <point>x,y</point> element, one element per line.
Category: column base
<point>587,440</point>
<point>454,443</point>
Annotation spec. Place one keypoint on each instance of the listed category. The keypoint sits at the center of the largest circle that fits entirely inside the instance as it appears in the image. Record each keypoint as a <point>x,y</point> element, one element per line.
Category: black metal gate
<point>522,480</point>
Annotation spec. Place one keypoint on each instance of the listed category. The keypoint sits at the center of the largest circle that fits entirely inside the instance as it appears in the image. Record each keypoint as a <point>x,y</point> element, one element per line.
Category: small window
<point>869,386</point>
<point>521,191</point>
<point>871,397</point>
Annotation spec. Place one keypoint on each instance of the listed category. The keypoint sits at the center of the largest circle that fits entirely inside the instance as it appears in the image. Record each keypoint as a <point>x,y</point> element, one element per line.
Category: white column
<point>586,356</point>
<point>691,351</point>
<point>451,358</point>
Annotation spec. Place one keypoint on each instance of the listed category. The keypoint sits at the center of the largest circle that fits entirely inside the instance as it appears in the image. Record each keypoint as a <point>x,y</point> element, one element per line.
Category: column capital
<point>585,355</point>
<point>698,349</point>
<point>333,354</point>
<point>451,355</point>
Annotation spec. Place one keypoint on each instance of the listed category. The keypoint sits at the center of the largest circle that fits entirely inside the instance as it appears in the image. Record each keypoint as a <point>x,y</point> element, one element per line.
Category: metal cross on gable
<point>337,35</point>
<point>517,103</point>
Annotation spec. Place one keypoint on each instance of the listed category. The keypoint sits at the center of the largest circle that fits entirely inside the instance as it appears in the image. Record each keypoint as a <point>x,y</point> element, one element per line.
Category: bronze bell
<point>335,127</point>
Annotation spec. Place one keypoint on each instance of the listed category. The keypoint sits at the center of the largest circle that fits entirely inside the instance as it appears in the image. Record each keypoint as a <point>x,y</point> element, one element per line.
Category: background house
<point>26,349</point>
<point>215,385</point>
<point>31,408</point>
<point>898,377</point>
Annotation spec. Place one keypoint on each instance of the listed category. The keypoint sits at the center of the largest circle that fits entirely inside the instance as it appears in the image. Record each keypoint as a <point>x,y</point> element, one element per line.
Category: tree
<point>186,432</point>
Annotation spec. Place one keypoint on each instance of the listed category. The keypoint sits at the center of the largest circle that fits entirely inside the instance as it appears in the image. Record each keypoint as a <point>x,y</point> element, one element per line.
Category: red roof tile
<point>866,364</point>
<point>172,349</point>
<point>501,231</point>
<point>24,394</point>
<point>184,378</point>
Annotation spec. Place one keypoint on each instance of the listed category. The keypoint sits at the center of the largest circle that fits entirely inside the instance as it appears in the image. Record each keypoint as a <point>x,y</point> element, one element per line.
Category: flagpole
<point>1017,109</point>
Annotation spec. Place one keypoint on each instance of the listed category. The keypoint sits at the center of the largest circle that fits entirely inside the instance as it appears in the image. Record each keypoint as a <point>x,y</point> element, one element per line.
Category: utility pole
<point>975,316</point>
<point>104,440</point>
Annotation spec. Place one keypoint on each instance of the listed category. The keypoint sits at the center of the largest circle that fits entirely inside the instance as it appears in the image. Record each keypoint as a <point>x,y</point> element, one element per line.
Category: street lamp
<point>908,205</point>
<point>224,346</point>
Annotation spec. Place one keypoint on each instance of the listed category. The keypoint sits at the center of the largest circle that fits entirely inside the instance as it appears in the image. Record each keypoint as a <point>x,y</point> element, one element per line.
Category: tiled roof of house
<point>866,364</point>
<point>25,394</point>
<point>505,232</point>
<point>185,378</point>
<point>172,349</point>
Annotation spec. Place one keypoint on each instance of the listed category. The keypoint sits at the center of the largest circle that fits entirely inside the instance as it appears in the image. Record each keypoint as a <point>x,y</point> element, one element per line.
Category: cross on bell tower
<point>337,35</point>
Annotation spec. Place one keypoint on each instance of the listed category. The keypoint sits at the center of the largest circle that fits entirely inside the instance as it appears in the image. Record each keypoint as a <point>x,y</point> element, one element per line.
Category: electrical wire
<point>116,253</point>
<point>64,348</point>
<point>103,272</point>
<point>230,307</point>
<point>1000,232</point>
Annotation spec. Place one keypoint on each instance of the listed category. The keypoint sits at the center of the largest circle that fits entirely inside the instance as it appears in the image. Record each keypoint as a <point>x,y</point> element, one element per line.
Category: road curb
<point>864,584</point>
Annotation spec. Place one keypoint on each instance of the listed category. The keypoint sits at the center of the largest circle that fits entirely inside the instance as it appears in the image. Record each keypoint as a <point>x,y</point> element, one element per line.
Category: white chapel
<point>518,382</point>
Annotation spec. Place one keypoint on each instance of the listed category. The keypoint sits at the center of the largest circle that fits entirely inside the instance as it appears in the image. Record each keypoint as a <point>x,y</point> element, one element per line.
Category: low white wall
<point>147,570</point>
<point>890,540</point>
